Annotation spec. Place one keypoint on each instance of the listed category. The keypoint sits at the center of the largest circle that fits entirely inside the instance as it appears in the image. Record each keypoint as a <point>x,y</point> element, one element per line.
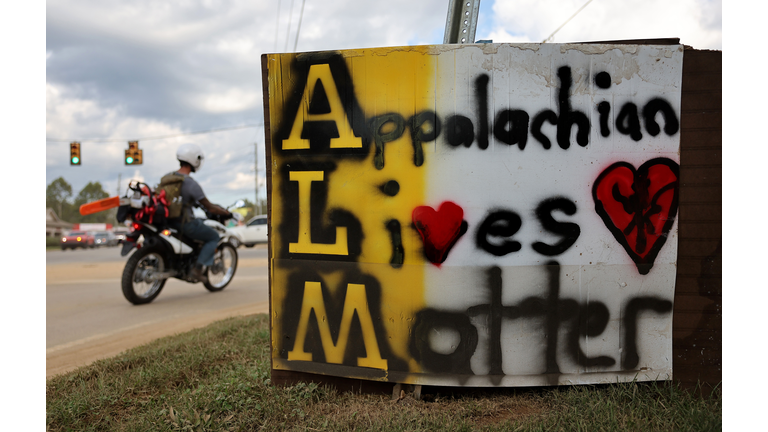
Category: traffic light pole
<point>257,204</point>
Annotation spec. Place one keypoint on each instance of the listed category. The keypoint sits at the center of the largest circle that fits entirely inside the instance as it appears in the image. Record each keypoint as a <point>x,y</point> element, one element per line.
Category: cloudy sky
<point>172,72</point>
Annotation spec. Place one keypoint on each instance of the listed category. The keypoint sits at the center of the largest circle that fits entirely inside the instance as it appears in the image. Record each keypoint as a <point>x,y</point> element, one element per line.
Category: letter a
<point>347,139</point>
<point>355,301</point>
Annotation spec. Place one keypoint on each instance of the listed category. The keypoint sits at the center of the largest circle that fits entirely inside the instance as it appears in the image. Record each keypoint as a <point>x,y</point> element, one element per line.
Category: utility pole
<point>118,183</point>
<point>257,204</point>
<point>461,23</point>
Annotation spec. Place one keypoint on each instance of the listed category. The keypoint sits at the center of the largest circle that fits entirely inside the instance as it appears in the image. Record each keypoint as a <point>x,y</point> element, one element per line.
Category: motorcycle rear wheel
<point>140,265</point>
<point>222,271</point>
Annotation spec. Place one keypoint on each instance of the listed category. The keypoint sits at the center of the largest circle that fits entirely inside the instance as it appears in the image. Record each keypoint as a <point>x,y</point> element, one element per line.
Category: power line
<point>156,137</point>
<point>566,21</point>
<point>288,33</point>
<point>298,30</point>
<point>277,23</point>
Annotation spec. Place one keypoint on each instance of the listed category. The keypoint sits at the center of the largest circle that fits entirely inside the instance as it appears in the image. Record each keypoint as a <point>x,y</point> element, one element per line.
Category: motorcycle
<point>164,253</point>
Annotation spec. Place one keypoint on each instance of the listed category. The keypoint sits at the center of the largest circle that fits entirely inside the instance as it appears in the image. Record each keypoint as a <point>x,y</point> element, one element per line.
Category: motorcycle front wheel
<point>222,271</point>
<point>138,285</point>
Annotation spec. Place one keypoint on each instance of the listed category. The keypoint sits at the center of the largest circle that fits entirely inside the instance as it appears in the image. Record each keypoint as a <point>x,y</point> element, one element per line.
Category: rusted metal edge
<point>661,41</point>
<point>268,173</point>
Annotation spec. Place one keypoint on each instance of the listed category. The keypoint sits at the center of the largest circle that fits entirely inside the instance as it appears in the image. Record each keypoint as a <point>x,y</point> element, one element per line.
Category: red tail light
<point>136,226</point>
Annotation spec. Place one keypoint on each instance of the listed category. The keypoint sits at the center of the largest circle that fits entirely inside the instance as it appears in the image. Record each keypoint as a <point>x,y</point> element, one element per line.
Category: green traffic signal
<point>74,153</point>
<point>133,153</point>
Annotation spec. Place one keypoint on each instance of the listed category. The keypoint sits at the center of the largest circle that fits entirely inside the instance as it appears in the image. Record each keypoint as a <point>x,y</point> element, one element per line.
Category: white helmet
<point>191,154</point>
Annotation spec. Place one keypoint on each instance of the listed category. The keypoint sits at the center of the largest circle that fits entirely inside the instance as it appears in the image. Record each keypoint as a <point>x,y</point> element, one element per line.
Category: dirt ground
<point>67,357</point>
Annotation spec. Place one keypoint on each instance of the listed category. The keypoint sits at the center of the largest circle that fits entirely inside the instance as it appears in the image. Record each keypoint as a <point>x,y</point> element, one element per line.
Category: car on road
<point>104,238</point>
<point>78,239</point>
<point>120,235</point>
<point>253,232</point>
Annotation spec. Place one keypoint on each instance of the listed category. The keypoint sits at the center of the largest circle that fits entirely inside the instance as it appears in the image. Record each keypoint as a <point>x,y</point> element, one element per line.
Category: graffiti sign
<point>478,215</point>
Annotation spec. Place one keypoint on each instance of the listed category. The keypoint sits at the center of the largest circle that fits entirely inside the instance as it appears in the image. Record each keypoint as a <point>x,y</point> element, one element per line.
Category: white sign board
<point>475,215</point>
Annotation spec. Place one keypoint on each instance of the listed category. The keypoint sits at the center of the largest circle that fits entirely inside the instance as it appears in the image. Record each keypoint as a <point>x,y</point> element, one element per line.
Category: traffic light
<point>74,153</point>
<point>133,154</point>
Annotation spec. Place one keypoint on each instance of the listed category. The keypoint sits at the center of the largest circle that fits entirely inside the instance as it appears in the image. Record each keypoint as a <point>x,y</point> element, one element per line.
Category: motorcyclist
<point>191,159</point>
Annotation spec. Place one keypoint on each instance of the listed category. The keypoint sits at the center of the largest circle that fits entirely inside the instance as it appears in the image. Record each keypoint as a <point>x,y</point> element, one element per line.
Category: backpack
<point>144,206</point>
<point>169,193</point>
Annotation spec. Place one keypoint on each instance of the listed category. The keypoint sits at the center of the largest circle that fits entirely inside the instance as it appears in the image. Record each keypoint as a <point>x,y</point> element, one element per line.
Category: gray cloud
<point>151,66</point>
<point>120,69</point>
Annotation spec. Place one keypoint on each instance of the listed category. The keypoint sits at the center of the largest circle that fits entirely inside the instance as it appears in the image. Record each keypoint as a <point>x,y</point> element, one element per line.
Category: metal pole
<point>461,23</point>
<point>257,204</point>
<point>118,183</point>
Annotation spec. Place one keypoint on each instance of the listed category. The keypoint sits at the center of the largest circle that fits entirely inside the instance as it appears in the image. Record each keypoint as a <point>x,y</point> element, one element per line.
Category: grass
<point>218,379</point>
<point>52,243</point>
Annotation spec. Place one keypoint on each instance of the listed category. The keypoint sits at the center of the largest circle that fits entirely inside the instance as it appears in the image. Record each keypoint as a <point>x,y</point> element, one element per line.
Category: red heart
<point>439,229</point>
<point>639,206</point>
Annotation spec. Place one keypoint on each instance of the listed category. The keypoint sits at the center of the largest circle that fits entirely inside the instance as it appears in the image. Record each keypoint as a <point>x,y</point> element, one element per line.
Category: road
<point>87,317</point>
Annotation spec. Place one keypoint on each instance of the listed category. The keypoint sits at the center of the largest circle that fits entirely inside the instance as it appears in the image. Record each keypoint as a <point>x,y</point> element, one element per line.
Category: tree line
<point>60,197</point>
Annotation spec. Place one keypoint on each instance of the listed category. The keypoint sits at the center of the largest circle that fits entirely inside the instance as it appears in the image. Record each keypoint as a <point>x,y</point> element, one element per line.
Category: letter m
<point>354,302</point>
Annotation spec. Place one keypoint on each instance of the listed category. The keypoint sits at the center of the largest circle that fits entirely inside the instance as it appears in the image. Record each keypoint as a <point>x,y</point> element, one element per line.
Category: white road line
<point>117,280</point>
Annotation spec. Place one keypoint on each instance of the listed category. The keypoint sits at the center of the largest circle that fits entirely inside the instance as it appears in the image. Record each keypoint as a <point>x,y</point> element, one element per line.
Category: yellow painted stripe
<point>354,186</point>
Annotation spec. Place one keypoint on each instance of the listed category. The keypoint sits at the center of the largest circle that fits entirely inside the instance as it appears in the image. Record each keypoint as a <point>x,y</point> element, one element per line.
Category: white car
<point>253,232</point>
